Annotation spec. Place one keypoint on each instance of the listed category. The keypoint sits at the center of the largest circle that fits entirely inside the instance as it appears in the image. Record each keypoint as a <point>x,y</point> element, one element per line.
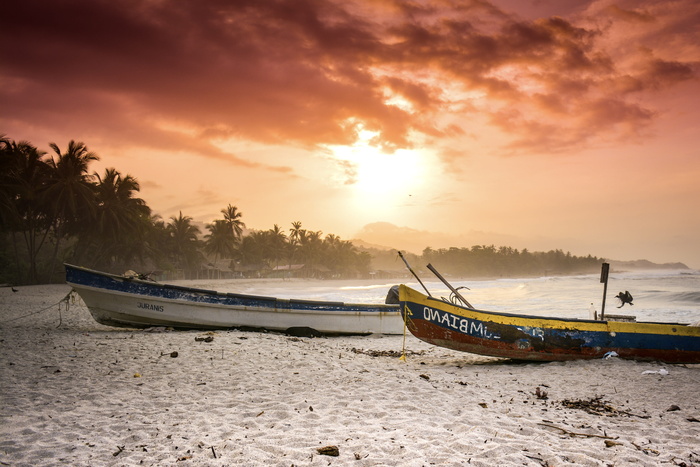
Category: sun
<point>373,174</point>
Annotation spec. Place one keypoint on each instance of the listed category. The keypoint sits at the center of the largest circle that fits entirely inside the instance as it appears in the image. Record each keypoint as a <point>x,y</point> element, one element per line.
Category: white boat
<point>130,302</point>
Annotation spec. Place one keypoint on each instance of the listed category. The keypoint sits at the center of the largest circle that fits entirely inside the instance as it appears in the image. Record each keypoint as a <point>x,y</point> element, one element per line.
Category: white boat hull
<point>123,302</point>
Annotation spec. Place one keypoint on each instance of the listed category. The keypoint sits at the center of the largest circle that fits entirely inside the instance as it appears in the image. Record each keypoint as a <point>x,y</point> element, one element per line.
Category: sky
<point>538,124</point>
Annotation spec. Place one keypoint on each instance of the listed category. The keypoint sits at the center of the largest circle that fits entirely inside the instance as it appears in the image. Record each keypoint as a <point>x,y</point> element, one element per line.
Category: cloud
<point>349,171</point>
<point>661,73</point>
<point>150,184</point>
<point>189,75</point>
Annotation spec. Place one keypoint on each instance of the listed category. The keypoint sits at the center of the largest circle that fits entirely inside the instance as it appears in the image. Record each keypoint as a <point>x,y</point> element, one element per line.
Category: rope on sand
<point>68,299</point>
<point>403,346</point>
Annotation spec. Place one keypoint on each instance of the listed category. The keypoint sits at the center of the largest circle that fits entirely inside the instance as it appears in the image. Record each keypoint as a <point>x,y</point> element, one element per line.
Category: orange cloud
<point>184,76</point>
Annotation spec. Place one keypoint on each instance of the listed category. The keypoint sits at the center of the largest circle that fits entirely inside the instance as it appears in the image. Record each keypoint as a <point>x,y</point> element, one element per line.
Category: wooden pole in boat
<point>454,291</point>
<point>414,274</point>
<point>604,280</point>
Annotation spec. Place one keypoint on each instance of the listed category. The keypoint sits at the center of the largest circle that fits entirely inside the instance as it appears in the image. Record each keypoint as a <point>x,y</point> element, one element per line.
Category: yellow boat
<point>527,337</point>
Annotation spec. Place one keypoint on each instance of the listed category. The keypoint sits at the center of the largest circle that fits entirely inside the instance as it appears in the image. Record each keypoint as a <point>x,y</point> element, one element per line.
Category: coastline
<point>86,394</point>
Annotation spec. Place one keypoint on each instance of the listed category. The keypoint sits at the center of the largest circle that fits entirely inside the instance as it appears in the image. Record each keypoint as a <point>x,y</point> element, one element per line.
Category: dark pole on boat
<point>414,274</point>
<point>454,291</point>
<point>604,280</point>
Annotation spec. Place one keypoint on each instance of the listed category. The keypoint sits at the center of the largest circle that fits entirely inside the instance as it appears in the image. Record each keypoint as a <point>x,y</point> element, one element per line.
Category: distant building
<point>288,271</point>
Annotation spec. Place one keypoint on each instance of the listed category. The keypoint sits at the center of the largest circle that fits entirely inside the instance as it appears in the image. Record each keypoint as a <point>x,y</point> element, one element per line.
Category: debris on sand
<point>329,451</point>
<point>597,406</point>
<point>384,353</point>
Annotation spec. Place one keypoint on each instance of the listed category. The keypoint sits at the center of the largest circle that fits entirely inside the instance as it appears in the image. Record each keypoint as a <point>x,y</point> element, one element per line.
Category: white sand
<point>73,396</point>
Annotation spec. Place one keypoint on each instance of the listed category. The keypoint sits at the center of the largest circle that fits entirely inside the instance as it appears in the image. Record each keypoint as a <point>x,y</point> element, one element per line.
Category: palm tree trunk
<point>17,261</point>
<point>31,254</point>
<point>55,255</point>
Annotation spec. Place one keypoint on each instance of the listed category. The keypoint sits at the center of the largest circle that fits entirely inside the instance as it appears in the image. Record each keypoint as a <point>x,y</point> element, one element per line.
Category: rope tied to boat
<point>403,346</point>
<point>68,299</point>
<point>457,299</point>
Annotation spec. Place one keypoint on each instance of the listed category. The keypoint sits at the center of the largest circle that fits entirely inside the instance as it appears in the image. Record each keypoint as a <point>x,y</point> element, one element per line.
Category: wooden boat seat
<point>628,318</point>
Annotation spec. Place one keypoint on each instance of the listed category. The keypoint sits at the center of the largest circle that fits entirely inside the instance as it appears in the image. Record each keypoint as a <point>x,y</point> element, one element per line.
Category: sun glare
<point>376,176</point>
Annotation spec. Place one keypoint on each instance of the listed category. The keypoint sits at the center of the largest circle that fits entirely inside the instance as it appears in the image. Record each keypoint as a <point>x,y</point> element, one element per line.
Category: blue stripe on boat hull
<point>174,292</point>
<point>123,302</point>
<point>545,339</point>
<point>548,349</point>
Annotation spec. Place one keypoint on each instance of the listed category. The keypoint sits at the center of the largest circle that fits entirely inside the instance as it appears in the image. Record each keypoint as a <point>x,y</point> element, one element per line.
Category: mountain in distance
<point>643,264</point>
<point>363,245</point>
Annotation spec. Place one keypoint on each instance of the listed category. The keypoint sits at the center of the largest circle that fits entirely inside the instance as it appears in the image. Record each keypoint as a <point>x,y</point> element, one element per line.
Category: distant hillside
<point>384,258</point>
<point>369,246</point>
<point>641,264</point>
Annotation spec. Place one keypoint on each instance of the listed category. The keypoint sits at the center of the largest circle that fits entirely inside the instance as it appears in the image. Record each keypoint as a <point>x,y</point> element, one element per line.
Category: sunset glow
<point>534,124</point>
<point>375,174</point>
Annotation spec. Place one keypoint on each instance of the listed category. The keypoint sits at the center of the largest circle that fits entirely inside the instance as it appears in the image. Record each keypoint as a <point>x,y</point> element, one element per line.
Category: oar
<point>454,291</point>
<point>414,274</point>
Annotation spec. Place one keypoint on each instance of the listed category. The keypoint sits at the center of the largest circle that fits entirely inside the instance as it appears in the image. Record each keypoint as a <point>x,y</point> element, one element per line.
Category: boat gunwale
<point>380,307</point>
<point>534,338</point>
<point>548,318</point>
<point>252,308</point>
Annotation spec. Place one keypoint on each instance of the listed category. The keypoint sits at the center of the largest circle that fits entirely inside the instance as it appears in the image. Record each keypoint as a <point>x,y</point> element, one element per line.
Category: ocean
<point>659,295</point>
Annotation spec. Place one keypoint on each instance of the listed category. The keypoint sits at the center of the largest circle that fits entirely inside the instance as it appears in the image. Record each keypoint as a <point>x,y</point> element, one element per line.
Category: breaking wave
<point>687,297</point>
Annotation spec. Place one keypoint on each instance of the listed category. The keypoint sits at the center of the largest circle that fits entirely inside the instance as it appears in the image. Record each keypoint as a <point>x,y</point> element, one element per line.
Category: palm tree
<point>232,216</point>
<point>23,176</point>
<point>339,255</point>
<point>184,242</point>
<point>70,191</point>
<point>252,250</point>
<point>311,247</point>
<point>277,243</point>
<point>220,241</point>
<point>295,232</point>
<point>363,262</point>
<point>71,188</point>
<point>156,241</point>
<point>121,219</point>
<point>9,179</point>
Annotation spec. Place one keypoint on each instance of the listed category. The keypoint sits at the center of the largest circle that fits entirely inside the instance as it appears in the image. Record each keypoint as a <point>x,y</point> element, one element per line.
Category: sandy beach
<point>78,393</point>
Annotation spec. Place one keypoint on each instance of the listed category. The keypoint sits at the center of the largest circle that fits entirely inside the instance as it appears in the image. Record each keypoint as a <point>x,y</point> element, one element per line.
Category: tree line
<point>490,261</point>
<point>54,210</point>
